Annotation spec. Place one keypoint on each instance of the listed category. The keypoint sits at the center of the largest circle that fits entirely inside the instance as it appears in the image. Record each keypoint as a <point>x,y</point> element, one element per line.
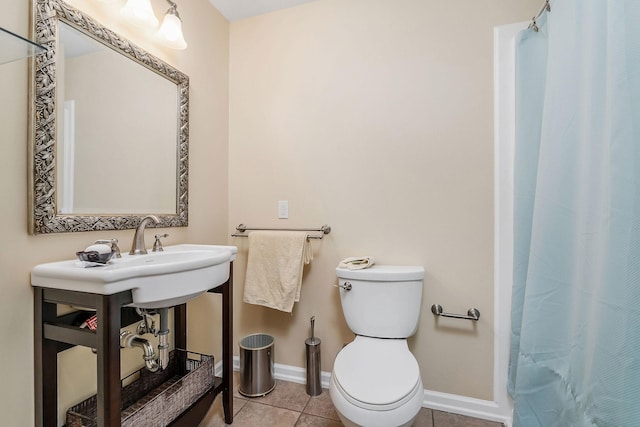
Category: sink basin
<point>156,280</point>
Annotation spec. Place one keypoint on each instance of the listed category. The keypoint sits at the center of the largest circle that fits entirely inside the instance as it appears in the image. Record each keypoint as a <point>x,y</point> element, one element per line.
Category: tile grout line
<point>297,419</point>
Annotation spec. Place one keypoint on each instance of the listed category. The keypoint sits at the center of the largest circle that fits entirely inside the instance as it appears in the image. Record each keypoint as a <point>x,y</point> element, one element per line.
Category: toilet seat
<point>377,374</point>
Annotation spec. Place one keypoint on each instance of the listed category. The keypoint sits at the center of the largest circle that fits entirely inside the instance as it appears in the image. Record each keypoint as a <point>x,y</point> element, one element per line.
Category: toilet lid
<point>383,273</point>
<point>376,371</point>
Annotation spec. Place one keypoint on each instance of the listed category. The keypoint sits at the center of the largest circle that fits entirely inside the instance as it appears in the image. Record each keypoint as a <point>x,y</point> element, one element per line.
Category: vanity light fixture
<point>140,13</point>
<point>170,32</point>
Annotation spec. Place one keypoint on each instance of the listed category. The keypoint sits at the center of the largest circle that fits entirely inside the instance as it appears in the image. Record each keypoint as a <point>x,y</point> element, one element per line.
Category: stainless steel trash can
<point>256,365</point>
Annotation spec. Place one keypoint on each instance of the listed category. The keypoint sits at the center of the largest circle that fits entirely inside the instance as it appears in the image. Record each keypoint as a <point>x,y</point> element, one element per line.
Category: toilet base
<point>353,416</point>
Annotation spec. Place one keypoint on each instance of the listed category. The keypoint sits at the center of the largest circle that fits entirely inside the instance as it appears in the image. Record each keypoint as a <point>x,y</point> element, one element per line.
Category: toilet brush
<point>314,386</point>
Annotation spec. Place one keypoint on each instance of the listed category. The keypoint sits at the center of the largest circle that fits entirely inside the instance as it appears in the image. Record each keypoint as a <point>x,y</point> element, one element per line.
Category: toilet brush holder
<point>314,385</point>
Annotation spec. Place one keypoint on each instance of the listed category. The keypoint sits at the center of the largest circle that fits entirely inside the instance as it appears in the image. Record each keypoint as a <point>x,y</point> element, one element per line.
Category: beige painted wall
<point>375,117</point>
<point>206,63</point>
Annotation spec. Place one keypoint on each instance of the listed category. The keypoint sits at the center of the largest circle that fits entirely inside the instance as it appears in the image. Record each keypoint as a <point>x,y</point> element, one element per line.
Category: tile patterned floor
<point>288,405</point>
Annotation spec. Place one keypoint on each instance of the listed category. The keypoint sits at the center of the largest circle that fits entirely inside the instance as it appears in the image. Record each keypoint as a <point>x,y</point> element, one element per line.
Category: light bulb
<point>170,32</point>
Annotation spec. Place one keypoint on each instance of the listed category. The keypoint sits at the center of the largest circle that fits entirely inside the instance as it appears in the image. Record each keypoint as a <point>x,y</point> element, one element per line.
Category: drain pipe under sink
<point>130,340</point>
<point>163,336</point>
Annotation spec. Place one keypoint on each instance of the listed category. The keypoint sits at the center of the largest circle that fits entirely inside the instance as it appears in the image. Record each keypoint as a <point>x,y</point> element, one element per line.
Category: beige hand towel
<point>274,268</point>
<point>356,263</point>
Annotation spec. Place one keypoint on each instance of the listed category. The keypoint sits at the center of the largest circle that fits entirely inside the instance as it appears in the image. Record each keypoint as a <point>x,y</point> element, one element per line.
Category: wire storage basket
<point>154,399</point>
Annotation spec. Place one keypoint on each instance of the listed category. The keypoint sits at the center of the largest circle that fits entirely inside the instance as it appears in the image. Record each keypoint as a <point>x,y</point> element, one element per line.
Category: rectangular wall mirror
<point>109,129</point>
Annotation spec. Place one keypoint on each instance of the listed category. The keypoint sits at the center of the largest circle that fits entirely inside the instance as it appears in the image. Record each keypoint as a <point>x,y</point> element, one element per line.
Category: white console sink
<point>156,280</point>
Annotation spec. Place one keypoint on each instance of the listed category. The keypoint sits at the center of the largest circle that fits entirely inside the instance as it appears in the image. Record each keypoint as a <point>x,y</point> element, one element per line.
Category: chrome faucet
<point>138,247</point>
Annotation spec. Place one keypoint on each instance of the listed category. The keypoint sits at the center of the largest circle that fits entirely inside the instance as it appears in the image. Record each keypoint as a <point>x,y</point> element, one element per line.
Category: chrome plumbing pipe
<point>163,335</point>
<point>130,340</point>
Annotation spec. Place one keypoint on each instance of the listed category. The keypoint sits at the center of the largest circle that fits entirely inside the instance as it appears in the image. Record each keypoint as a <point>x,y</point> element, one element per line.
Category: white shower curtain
<point>575,345</point>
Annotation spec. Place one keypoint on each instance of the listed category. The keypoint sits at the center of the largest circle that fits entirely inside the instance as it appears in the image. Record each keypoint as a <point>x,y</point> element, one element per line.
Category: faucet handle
<point>114,245</point>
<point>157,245</point>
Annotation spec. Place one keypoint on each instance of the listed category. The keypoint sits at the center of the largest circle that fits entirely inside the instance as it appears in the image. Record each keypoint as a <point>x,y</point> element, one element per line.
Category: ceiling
<point>234,10</point>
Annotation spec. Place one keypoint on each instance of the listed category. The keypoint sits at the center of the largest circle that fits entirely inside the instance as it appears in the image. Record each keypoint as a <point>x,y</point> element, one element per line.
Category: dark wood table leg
<point>108,355</point>
<point>46,364</point>
<point>227,348</point>
<point>180,326</point>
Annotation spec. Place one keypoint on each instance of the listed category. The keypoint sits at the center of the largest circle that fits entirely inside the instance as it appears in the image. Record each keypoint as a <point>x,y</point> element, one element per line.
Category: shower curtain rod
<point>534,25</point>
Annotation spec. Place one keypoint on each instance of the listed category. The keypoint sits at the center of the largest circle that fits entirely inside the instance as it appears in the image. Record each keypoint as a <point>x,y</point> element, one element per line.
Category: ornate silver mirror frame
<point>44,216</point>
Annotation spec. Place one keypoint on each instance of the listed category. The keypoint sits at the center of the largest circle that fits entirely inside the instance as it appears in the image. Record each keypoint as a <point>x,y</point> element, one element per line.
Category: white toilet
<point>376,380</point>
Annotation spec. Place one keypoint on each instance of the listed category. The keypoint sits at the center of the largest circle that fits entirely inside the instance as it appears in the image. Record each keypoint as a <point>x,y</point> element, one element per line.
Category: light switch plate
<point>283,209</point>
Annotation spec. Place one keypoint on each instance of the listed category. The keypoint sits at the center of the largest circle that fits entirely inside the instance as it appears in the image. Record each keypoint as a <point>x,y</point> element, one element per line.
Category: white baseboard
<point>282,372</point>
<point>469,406</point>
<point>477,408</point>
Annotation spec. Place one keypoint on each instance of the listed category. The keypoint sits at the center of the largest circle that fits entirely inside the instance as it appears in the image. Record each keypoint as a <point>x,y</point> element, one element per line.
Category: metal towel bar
<point>472,313</point>
<point>325,229</point>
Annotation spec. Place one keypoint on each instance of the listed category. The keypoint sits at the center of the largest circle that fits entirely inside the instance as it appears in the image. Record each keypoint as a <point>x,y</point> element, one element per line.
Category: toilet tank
<point>383,301</point>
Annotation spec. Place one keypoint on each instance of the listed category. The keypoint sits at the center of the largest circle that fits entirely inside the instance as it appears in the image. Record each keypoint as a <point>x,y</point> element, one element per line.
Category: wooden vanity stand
<point>54,334</point>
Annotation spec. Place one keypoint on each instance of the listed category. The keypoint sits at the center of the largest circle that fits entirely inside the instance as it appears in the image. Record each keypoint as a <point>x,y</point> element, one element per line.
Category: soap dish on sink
<point>94,256</point>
